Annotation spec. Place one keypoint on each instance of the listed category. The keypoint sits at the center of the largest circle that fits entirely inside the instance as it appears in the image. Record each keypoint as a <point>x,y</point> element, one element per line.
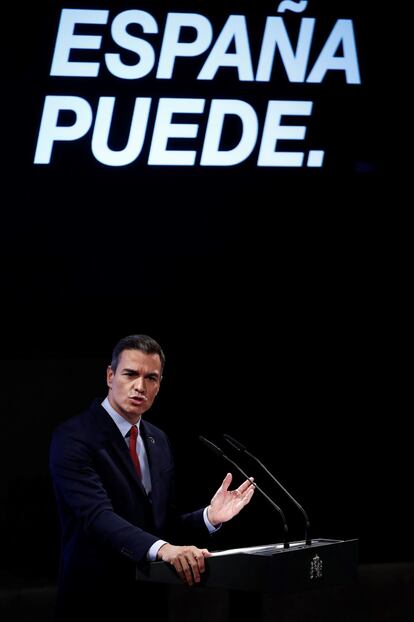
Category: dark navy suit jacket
<point>108,522</point>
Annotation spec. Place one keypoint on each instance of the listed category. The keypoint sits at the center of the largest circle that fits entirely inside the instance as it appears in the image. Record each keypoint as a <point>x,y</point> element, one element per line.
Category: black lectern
<point>272,568</point>
<point>250,575</point>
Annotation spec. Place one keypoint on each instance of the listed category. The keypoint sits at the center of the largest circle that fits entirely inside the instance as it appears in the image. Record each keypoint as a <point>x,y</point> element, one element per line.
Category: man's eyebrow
<point>155,372</point>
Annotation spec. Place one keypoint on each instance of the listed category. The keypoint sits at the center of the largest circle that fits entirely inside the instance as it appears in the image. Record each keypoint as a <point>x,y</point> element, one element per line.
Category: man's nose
<point>139,385</point>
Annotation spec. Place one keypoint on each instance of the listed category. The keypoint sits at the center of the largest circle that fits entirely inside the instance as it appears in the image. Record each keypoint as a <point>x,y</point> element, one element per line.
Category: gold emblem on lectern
<point>316,568</point>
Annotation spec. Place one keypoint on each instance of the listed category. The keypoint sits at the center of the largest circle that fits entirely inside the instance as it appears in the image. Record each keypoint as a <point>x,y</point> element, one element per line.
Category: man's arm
<point>79,487</point>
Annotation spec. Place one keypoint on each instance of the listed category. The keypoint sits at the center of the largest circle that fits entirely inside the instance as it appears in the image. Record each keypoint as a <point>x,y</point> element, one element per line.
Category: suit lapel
<point>116,445</point>
<point>150,442</point>
<point>121,450</point>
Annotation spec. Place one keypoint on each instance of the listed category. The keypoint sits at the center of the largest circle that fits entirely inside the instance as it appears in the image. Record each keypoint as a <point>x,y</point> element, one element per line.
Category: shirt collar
<point>122,424</point>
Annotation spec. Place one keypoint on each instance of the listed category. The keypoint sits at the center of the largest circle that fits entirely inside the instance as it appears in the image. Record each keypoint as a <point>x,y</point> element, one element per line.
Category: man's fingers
<point>246,484</point>
<point>227,481</point>
<point>248,496</point>
<point>197,566</point>
<point>243,499</point>
<point>184,570</point>
<point>190,564</point>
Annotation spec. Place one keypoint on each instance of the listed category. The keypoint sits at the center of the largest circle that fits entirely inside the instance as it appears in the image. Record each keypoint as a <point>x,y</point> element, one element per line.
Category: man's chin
<point>136,411</point>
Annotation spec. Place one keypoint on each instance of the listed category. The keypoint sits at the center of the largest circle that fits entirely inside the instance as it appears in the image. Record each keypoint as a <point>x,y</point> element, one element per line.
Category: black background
<point>280,296</point>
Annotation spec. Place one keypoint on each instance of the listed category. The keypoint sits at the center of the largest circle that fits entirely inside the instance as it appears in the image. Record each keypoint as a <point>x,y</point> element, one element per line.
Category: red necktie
<point>133,434</point>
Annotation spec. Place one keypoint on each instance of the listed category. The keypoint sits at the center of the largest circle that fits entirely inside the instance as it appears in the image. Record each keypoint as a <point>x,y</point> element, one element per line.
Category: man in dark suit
<point>113,478</point>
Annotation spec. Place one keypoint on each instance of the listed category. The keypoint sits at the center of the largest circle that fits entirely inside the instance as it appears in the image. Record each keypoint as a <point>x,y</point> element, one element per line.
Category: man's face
<point>135,384</point>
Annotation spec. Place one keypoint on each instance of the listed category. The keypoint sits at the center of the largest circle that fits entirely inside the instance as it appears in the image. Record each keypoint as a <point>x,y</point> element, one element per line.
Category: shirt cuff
<point>153,550</point>
<point>209,526</point>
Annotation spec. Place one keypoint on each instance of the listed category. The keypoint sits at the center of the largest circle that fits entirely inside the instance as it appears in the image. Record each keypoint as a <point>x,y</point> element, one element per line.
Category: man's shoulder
<point>81,421</point>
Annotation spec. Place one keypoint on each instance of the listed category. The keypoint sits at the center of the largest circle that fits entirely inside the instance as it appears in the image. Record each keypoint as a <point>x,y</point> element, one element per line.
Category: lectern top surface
<point>270,549</point>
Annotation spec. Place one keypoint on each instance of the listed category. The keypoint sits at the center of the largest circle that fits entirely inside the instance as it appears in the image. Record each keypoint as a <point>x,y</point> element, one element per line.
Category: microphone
<point>221,453</point>
<point>237,445</point>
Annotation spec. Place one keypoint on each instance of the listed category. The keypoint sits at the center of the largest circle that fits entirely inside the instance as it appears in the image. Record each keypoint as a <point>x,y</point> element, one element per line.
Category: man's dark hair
<point>137,342</point>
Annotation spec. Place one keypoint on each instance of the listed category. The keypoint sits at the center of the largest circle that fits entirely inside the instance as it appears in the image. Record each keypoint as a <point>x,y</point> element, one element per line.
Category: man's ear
<point>159,386</point>
<point>109,376</point>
